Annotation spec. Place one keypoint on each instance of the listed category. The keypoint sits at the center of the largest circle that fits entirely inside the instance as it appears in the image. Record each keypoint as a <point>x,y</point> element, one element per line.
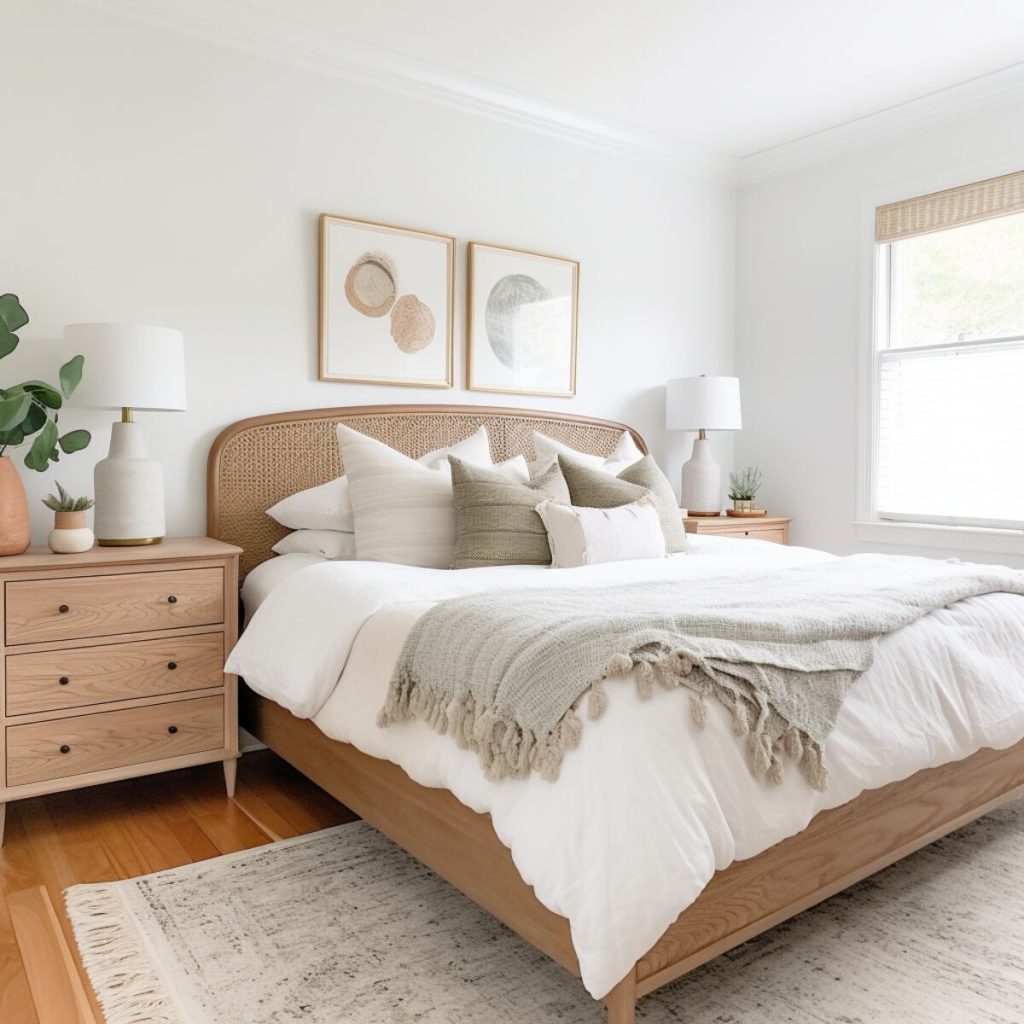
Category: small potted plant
<point>743,488</point>
<point>70,534</point>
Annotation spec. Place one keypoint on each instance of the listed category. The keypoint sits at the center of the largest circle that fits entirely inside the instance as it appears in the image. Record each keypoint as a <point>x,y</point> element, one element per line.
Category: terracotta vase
<point>15,533</point>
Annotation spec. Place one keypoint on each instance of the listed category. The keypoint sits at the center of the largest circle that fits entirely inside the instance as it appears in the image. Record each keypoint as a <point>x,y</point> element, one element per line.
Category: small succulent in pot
<point>743,488</point>
<point>70,534</point>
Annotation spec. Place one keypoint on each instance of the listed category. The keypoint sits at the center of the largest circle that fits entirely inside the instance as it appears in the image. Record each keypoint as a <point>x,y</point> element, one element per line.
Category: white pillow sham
<point>548,449</point>
<point>404,511</point>
<point>329,506</point>
<point>333,544</point>
<point>588,536</point>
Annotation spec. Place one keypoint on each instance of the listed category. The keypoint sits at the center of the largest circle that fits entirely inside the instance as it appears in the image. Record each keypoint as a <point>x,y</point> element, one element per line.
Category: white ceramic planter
<point>70,535</point>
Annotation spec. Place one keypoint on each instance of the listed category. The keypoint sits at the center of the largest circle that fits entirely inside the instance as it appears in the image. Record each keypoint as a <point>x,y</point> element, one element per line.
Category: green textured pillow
<point>495,518</point>
<point>591,488</point>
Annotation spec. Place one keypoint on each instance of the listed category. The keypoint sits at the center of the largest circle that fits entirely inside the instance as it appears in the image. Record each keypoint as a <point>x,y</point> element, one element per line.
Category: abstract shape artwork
<point>368,271</point>
<point>506,318</point>
<point>522,322</point>
<point>412,324</point>
<point>372,284</point>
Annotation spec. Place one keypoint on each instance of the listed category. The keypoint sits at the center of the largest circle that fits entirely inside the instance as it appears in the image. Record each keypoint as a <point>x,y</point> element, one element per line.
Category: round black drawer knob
<point>172,600</point>
<point>63,680</point>
<point>172,665</point>
<point>65,749</point>
<point>63,609</point>
<point>172,729</point>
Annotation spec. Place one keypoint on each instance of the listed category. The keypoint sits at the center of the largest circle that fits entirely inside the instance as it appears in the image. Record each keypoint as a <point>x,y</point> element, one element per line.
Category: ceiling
<point>738,76</point>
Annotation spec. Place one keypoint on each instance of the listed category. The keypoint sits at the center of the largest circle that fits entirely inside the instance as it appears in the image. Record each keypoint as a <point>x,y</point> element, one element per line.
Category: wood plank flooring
<point>118,831</point>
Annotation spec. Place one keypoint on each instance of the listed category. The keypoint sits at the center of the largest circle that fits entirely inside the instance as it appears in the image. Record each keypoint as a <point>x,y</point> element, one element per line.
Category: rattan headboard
<point>257,462</point>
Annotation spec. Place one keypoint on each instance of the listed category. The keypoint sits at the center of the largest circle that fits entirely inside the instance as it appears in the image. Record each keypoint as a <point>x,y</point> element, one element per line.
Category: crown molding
<point>243,27</point>
<point>919,114</point>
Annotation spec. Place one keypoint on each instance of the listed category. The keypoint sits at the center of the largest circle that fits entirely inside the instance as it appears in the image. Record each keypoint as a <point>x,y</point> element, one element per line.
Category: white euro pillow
<point>547,450</point>
<point>333,544</point>
<point>404,510</point>
<point>588,536</point>
<point>329,506</point>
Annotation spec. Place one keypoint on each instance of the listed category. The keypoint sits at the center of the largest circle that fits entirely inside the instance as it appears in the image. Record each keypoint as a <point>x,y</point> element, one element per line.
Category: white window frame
<point>989,536</point>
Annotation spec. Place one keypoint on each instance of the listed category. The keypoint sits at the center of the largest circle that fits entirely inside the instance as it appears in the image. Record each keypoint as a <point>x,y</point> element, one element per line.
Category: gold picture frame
<point>508,352</point>
<point>387,298</point>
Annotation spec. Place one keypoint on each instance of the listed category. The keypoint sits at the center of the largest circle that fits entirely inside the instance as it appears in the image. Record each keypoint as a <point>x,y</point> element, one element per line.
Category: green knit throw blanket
<point>504,672</point>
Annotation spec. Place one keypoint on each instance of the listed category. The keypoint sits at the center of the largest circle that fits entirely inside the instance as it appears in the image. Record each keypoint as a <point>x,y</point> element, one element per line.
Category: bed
<point>256,462</point>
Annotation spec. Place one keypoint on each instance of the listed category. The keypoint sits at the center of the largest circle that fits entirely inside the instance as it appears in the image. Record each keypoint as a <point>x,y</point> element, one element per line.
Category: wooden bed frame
<point>256,462</point>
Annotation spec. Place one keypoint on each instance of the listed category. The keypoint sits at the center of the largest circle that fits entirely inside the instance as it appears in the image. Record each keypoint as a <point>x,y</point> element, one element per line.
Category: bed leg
<point>621,1001</point>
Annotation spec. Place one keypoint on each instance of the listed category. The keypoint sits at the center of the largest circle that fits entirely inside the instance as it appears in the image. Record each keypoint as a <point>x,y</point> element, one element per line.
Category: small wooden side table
<point>771,528</point>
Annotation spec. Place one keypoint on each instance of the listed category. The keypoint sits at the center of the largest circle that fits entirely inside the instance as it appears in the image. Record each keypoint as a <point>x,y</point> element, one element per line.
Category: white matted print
<point>386,303</point>
<point>522,322</point>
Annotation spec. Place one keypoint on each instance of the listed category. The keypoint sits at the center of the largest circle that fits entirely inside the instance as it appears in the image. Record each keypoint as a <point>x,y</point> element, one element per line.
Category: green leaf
<point>11,437</point>
<point>45,393</point>
<point>38,457</point>
<point>8,342</point>
<point>13,411</point>
<point>71,375</point>
<point>74,441</point>
<point>12,315</point>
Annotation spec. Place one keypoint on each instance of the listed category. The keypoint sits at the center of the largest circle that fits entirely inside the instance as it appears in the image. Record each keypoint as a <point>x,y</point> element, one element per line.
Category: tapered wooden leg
<point>621,1001</point>
<point>230,770</point>
<point>3,817</point>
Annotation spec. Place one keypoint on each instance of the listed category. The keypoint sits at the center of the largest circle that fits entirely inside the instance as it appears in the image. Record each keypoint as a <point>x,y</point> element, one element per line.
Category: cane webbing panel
<point>256,462</point>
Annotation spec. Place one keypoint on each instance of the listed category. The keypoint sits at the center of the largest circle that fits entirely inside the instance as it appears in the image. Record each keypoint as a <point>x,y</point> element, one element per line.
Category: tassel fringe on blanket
<point>508,673</point>
<point>508,751</point>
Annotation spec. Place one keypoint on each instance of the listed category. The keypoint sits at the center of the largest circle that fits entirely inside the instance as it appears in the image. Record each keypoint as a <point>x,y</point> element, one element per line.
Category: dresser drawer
<point>70,609</point>
<point>112,739</point>
<point>775,536</point>
<point>54,680</point>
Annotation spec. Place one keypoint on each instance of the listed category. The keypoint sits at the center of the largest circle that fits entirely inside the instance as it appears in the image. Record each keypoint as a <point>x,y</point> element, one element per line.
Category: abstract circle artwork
<point>372,284</point>
<point>412,324</point>
<point>503,317</point>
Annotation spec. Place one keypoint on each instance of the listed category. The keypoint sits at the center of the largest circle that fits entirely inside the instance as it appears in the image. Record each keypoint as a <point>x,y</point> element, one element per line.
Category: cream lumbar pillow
<point>329,506</point>
<point>404,511</point>
<point>548,449</point>
<point>336,545</point>
<point>589,536</point>
<point>594,488</point>
<point>495,517</point>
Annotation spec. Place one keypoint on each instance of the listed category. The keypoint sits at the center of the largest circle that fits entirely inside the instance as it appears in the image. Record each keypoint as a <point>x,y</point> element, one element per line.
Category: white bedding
<point>648,807</point>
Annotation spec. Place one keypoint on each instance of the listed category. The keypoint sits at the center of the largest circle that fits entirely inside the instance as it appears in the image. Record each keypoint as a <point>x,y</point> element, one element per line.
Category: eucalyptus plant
<point>32,408</point>
<point>745,485</point>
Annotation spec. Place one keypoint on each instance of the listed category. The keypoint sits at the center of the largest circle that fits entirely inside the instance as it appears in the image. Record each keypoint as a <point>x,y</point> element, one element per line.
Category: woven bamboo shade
<point>966,204</point>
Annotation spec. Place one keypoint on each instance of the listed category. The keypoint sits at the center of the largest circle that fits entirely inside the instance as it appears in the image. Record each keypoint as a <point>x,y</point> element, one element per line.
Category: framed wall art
<point>386,304</point>
<point>522,322</point>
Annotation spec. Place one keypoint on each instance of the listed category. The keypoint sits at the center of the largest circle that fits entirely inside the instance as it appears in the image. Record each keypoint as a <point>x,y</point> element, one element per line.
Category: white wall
<point>800,307</point>
<point>151,177</point>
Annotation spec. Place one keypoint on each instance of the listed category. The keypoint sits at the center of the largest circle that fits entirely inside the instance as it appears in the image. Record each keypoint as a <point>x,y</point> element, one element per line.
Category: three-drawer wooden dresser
<point>112,664</point>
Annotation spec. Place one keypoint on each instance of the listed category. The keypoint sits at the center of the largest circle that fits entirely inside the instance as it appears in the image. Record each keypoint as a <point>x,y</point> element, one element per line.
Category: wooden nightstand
<point>112,664</point>
<point>773,528</point>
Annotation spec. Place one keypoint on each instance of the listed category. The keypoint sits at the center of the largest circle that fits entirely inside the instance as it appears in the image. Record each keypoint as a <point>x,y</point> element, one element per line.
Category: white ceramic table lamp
<point>702,404</point>
<point>129,367</point>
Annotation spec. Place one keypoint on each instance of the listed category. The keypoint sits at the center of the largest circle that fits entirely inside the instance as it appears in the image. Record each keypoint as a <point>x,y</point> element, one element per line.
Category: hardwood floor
<point>122,830</point>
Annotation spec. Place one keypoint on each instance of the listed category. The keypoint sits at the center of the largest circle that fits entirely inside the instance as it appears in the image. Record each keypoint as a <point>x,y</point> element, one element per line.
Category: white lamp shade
<point>128,365</point>
<point>703,403</point>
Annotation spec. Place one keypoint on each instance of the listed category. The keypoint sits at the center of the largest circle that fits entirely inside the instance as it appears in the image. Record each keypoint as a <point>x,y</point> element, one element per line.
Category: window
<point>948,360</point>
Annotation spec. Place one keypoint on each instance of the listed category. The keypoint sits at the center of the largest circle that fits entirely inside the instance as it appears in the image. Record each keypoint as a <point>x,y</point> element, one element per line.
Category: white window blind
<point>949,357</point>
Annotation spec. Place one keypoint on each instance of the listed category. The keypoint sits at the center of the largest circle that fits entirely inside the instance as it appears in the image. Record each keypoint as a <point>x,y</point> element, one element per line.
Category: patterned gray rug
<point>342,926</point>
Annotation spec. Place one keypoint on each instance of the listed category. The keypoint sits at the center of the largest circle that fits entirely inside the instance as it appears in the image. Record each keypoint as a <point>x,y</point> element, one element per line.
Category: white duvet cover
<point>648,807</point>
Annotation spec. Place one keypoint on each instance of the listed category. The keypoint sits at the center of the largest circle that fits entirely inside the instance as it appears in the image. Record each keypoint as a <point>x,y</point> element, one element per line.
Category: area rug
<point>343,926</point>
